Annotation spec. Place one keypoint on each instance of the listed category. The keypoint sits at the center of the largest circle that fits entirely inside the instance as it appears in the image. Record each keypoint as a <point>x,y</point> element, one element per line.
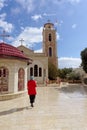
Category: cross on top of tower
<point>3,35</point>
<point>21,40</point>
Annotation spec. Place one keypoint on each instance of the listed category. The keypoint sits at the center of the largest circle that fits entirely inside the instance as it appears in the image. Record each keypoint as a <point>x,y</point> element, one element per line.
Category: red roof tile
<point>9,50</point>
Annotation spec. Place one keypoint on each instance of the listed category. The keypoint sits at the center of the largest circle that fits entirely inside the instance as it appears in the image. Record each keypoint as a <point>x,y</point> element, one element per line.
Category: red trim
<point>7,50</point>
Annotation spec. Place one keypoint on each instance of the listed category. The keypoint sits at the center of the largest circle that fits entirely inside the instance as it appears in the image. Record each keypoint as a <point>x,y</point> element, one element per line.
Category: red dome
<point>7,50</point>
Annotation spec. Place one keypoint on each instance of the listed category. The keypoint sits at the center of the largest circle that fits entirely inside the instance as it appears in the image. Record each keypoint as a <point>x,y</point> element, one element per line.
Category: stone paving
<point>55,108</point>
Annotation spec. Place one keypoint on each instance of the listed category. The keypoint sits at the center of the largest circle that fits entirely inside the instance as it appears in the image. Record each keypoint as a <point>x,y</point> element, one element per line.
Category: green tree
<point>84,59</point>
<point>52,71</point>
<point>62,73</point>
<point>73,76</point>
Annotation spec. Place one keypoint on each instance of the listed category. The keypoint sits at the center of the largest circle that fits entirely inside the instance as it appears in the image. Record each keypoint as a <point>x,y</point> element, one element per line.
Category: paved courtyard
<point>55,108</point>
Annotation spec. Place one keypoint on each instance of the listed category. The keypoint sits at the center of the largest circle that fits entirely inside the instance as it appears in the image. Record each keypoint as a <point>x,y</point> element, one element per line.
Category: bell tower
<point>50,43</point>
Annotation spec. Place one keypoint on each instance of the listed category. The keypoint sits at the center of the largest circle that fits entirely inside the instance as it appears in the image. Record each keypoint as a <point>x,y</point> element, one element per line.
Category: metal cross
<point>4,35</point>
<point>21,40</point>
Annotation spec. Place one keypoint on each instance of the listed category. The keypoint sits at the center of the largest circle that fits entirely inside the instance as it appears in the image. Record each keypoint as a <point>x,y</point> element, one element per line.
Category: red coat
<point>31,86</point>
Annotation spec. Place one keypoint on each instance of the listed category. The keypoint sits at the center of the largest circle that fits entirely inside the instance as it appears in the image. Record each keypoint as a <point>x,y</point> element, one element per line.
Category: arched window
<point>21,75</point>
<point>50,37</point>
<point>36,70</point>
<point>40,72</point>
<point>50,51</point>
<point>4,73</point>
<point>31,71</point>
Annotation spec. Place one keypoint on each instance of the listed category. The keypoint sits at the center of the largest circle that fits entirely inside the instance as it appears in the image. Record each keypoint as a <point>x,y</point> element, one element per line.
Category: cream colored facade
<point>40,61</point>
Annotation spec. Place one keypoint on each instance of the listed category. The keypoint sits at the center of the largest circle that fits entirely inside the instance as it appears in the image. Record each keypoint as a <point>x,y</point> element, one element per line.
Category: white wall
<point>13,67</point>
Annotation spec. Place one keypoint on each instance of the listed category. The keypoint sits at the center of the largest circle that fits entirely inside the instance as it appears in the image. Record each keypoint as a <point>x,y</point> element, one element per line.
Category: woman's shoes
<point>32,105</point>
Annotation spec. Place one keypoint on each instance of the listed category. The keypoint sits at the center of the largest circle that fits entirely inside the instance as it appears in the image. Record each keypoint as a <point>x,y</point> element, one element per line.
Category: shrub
<point>85,80</point>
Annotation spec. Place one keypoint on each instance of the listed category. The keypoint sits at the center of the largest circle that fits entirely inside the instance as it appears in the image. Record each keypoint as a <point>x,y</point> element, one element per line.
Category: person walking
<point>31,86</point>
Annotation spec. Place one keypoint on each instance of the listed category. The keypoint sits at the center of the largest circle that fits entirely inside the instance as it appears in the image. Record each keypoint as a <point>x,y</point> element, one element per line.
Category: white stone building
<point>13,69</point>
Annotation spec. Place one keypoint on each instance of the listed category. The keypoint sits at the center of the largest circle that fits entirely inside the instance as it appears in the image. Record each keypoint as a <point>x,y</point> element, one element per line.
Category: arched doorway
<point>4,73</point>
<point>21,79</point>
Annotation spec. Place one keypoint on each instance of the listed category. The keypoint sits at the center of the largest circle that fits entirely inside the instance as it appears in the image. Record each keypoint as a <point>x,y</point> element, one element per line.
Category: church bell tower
<point>50,43</point>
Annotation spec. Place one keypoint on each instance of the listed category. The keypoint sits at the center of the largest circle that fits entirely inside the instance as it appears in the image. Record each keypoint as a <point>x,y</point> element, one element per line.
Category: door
<point>3,80</point>
<point>21,75</point>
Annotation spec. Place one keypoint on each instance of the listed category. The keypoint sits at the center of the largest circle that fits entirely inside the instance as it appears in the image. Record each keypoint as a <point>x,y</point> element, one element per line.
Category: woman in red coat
<point>31,86</point>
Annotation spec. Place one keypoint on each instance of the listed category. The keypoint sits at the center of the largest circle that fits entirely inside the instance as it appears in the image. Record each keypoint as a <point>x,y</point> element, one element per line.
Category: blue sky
<point>25,19</point>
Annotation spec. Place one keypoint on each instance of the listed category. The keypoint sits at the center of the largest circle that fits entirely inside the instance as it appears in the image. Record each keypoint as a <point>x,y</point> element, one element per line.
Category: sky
<point>24,19</point>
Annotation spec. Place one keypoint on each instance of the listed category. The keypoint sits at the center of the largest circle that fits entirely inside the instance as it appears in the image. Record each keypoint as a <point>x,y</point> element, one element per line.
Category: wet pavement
<point>55,108</point>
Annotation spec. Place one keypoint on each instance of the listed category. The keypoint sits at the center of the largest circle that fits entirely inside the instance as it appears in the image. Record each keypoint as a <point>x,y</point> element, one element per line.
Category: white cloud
<point>36,17</point>
<point>4,25</point>
<point>39,16</point>
<point>58,36</point>
<point>1,4</point>
<point>67,62</point>
<point>8,27</point>
<point>38,51</point>
<point>74,26</point>
<point>31,36</point>
<point>2,16</point>
<point>29,5</point>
